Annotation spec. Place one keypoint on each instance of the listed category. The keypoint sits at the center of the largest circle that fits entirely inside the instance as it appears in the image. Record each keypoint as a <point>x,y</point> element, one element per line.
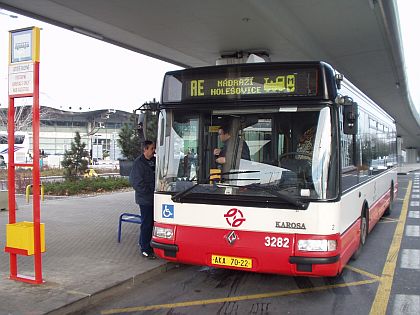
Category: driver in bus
<point>305,145</point>
<point>226,138</point>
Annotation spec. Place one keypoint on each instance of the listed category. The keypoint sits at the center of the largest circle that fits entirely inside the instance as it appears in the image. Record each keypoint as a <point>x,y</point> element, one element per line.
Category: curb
<point>408,172</point>
<point>92,299</point>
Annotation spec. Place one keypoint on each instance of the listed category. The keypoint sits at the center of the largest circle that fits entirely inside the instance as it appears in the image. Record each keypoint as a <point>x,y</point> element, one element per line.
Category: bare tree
<point>23,116</point>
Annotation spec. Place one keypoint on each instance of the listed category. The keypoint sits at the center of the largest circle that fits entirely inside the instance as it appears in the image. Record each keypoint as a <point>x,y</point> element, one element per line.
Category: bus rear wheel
<point>363,235</point>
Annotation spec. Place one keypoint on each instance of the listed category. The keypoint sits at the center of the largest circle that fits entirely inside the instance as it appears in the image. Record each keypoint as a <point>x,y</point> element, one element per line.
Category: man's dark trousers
<point>146,228</point>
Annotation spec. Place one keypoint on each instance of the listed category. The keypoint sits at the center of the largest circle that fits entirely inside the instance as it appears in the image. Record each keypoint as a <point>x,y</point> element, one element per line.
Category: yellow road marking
<point>235,298</point>
<point>363,272</point>
<point>380,303</point>
<point>388,220</point>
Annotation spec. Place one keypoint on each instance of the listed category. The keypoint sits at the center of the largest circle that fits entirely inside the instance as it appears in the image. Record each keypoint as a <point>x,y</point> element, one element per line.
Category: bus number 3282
<point>276,242</point>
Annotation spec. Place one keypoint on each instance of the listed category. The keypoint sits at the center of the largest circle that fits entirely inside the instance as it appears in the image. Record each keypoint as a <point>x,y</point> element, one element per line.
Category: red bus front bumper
<point>257,251</point>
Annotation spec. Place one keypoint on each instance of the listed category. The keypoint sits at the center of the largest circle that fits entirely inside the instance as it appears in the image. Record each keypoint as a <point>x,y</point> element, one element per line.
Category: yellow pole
<point>28,191</point>
<point>42,192</point>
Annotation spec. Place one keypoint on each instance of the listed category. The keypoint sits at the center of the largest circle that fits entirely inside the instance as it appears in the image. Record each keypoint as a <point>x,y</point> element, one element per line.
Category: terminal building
<point>98,129</point>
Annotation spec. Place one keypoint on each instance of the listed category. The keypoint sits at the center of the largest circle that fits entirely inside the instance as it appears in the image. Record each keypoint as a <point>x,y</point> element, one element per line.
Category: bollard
<point>28,188</point>
<point>28,191</point>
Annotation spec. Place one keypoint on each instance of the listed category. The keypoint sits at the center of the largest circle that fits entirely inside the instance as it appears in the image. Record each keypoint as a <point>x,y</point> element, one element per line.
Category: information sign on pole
<point>24,45</point>
<point>21,78</point>
<point>24,52</point>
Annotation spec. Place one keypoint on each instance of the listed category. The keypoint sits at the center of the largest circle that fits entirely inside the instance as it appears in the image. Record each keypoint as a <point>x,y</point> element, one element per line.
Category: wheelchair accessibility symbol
<point>168,211</point>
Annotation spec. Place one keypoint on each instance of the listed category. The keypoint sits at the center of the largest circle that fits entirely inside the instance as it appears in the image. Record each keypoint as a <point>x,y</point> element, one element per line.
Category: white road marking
<point>410,259</point>
<point>414,203</point>
<point>406,304</point>
<point>414,214</point>
<point>412,230</point>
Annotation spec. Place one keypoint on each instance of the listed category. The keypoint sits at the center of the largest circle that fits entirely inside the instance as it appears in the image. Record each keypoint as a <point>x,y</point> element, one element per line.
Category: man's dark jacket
<point>142,178</point>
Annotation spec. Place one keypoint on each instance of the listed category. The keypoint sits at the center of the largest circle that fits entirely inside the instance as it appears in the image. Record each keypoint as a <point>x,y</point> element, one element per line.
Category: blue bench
<point>127,217</point>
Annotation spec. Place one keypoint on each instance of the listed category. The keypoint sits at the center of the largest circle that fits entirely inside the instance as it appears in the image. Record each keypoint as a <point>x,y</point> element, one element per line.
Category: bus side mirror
<point>141,126</point>
<point>350,118</point>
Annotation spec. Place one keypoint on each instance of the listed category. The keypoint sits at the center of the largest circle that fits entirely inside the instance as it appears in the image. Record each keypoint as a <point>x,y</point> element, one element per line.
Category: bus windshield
<point>262,154</point>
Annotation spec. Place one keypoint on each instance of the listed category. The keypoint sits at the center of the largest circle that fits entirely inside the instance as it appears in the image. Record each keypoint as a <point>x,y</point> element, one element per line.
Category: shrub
<point>129,141</point>
<point>86,185</point>
<point>75,161</point>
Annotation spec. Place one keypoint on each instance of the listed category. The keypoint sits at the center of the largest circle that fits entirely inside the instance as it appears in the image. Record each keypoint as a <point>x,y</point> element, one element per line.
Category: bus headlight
<point>317,245</point>
<point>162,232</point>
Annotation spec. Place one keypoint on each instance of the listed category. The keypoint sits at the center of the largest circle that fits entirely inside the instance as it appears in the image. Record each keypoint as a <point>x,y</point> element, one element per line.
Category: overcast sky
<point>84,73</point>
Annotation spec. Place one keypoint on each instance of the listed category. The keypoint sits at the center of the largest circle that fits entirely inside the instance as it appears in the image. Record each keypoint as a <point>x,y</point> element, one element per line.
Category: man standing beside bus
<point>142,178</point>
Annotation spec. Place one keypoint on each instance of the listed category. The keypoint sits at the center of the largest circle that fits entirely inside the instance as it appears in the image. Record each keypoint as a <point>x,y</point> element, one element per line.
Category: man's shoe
<point>148,255</point>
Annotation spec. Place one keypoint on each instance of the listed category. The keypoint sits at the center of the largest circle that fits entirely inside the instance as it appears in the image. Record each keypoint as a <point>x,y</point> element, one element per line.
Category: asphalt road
<point>363,288</point>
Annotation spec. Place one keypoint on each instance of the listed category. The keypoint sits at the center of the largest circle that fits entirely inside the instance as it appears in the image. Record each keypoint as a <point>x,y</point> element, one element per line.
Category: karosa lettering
<point>290,225</point>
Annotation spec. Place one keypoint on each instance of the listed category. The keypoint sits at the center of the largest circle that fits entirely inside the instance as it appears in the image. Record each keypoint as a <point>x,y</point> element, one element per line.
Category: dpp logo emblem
<point>168,211</point>
<point>234,217</point>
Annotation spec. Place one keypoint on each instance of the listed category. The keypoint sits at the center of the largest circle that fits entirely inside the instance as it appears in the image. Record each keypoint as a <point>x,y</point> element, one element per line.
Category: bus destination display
<point>293,83</point>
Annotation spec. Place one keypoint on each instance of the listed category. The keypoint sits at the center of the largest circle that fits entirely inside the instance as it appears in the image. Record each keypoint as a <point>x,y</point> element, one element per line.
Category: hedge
<point>86,186</point>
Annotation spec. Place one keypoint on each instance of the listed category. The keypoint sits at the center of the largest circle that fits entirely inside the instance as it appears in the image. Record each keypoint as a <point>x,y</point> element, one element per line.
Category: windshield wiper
<point>177,197</point>
<point>297,203</point>
<point>289,199</point>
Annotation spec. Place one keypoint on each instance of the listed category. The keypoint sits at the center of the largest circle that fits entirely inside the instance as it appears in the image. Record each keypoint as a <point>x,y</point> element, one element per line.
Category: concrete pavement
<point>83,262</point>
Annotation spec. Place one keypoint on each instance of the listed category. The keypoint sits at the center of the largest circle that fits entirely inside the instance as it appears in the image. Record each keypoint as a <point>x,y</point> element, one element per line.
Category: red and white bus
<point>282,211</point>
